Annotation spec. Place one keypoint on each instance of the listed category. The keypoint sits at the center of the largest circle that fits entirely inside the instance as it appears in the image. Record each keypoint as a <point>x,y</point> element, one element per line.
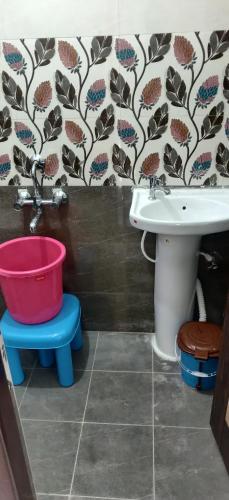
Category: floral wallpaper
<point>115,111</point>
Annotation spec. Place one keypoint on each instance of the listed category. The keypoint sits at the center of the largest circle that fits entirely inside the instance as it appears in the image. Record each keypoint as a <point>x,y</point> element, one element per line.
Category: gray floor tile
<point>177,404</point>
<point>114,461</point>
<point>120,398</point>
<point>52,447</point>
<point>45,399</point>
<point>77,497</point>
<point>20,389</point>
<point>83,359</point>
<point>52,497</point>
<point>28,357</point>
<point>123,351</point>
<point>159,365</point>
<point>188,465</point>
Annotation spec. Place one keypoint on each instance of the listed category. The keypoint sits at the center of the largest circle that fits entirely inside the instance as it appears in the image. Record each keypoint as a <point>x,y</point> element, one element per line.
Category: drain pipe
<point>201,301</point>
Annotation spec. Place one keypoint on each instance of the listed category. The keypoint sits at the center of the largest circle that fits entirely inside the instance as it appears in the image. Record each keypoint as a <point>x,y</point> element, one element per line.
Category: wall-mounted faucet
<point>24,198</point>
<point>156,184</point>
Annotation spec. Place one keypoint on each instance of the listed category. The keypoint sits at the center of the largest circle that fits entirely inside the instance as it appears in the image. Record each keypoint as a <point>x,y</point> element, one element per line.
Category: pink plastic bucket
<point>31,277</point>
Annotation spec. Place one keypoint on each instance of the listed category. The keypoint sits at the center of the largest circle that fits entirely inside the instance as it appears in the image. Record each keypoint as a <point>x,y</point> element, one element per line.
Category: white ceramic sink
<point>179,219</point>
<point>185,211</point>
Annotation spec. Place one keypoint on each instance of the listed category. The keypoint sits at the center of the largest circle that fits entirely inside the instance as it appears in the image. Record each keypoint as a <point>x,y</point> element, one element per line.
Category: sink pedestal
<point>175,285</point>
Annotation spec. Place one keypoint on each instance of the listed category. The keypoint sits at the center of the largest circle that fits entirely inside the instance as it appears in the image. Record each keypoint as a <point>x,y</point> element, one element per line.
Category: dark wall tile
<point>104,264</point>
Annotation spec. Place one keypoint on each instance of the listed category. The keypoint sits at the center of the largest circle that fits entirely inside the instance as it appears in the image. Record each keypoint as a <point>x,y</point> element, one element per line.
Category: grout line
<point>166,373</point>
<point>103,498</point>
<point>103,371</point>
<point>118,424</point>
<point>52,495</point>
<point>51,420</point>
<point>82,496</point>
<point>153,440</point>
<point>27,385</point>
<point>81,430</point>
<point>182,427</point>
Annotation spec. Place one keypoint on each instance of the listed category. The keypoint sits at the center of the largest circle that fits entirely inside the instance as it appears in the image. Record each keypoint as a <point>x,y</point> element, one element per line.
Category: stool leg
<point>46,357</point>
<point>64,365</point>
<point>15,365</point>
<point>77,342</point>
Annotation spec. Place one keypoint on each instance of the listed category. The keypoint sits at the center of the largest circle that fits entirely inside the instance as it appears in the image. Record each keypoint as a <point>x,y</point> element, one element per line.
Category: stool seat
<point>52,334</point>
<point>57,335</point>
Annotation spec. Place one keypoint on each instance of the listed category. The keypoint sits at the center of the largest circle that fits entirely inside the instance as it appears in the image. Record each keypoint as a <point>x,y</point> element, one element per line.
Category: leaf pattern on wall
<point>104,124</point>
<point>172,162</point>
<point>159,45</point>
<point>121,162</point>
<point>226,84</point>
<point>212,123</point>
<point>44,51</point>
<point>66,93</point>
<point>22,162</point>
<point>120,90</point>
<point>53,124</point>
<point>162,123</point>
<point>100,48</point>
<point>71,162</point>
<point>176,88</point>
<point>12,91</point>
<point>222,160</point>
<point>5,124</point>
<point>218,44</point>
<point>158,123</point>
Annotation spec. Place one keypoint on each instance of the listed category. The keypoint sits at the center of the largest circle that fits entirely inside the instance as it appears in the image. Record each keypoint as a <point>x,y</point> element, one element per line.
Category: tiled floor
<point>128,429</point>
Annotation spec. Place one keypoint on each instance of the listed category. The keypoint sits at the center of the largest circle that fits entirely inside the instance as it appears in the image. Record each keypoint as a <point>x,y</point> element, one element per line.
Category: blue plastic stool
<point>57,335</point>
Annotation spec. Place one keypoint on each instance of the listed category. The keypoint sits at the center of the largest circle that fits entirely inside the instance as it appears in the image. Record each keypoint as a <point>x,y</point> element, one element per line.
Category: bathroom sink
<point>179,220</point>
<point>186,211</point>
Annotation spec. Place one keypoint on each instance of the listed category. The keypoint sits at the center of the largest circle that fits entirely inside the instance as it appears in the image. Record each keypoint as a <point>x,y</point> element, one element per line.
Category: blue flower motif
<point>13,57</point>
<point>207,91</point>
<point>201,165</point>
<point>96,94</point>
<point>125,54</point>
<point>127,133</point>
<point>99,166</point>
<point>5,166</point>
<point>227,128</point>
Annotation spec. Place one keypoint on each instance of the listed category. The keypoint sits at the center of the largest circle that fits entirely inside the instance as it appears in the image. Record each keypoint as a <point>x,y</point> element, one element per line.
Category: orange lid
<point>201,339</point>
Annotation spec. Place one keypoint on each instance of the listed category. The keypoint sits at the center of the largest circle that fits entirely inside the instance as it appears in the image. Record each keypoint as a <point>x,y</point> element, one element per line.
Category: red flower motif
<point>74,133</point>
<point>51,165</point>
<point>184,51</point>
<point>150,165</point>
<point>68,56</point>
<point>42,96</point>
<point>180,132</point>
<point>151,93</point>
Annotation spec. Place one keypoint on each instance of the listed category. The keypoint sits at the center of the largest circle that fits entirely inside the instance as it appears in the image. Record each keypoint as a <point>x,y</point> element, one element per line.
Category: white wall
<point>33,18</point>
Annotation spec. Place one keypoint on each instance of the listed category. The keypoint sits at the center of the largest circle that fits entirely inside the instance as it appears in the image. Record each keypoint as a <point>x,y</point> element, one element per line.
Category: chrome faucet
<point>157,185</point>
<point>36,200</point>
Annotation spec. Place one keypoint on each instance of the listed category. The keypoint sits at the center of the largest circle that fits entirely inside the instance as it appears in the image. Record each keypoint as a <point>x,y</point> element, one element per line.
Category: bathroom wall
<point>108,108</point>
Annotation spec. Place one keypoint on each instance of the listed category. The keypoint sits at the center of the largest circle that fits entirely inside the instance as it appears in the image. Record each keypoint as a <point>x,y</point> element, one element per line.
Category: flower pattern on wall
<point>109,110</point>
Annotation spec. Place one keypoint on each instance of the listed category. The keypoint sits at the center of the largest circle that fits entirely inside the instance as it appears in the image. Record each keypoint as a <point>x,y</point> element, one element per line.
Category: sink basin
<point>185,211</point>
<point>179,220</point>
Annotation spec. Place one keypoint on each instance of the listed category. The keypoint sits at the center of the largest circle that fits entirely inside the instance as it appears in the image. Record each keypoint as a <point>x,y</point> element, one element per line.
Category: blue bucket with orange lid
<point>199,344</point>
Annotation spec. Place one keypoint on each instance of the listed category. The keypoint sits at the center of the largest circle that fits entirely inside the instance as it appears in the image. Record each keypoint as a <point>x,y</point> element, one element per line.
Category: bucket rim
<point>7,273</point>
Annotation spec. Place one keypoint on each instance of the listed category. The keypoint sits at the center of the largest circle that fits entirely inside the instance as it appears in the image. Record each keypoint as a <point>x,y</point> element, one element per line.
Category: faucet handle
<point>154,181</point>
